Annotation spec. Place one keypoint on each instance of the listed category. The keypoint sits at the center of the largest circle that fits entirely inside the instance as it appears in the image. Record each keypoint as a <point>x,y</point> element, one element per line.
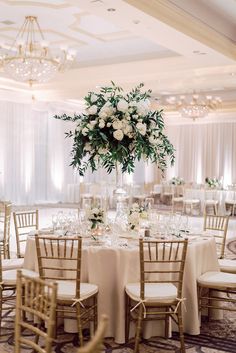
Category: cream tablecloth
<point>112,267</point>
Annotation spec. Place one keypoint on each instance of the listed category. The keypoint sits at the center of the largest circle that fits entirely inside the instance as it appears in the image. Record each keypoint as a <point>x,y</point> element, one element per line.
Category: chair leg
<point>127,317</point>
<point>1,299</point>
<point>138,329</point>
<point>167,323</point>
<point>80,333</point>
<point>181,330</point>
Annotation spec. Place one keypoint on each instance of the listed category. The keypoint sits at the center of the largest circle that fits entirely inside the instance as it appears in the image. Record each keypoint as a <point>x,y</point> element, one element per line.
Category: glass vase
<point>120,196</point>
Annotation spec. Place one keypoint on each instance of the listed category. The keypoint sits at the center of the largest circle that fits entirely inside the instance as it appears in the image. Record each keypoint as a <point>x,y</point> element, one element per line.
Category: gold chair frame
<point>24,221</point>
<point>220,225</point>
<point>6,220</point>
<point>37,298</point>
<point>95,345</point>
<point>159,254</point>
<point>67,252</point>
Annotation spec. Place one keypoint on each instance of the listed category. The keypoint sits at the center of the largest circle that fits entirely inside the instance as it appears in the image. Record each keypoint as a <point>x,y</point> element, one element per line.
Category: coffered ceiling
<point>173,46</point>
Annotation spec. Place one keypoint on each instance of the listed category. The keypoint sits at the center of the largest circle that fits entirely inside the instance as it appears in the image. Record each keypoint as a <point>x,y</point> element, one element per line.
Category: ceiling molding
<point>182,21</point>
<point>36,4</point>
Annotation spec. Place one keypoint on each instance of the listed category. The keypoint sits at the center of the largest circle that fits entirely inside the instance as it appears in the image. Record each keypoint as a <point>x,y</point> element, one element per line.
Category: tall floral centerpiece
<point>117,129</point>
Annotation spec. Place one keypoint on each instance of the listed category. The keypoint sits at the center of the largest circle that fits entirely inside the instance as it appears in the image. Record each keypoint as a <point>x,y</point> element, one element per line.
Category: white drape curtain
<point>204,150</point>
<point>34,155</point>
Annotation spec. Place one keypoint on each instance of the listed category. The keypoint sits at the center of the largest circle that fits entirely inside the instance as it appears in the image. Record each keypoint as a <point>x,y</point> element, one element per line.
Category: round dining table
<point>112,267</point>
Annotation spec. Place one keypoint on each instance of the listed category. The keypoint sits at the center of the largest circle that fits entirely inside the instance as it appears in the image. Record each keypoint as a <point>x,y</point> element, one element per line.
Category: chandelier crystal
<point>195,106</point>
<point>30,60</point>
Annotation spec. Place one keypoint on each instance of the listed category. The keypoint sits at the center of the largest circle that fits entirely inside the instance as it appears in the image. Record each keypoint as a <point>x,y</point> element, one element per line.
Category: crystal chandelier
<point>29,58</point>
<point>195,106</point>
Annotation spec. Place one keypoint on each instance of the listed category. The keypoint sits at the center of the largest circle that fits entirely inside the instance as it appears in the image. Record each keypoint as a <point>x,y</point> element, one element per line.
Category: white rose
<point>142,128</point>
<point>134,218</point>
<point>101,124</point>
<point>95,211</point>
<point>122,106</point>
<point>127,129</point>
<point>93,98</point>
<point>92,110</point>
<point>117,125</point>
<point>152,139</point>
<point>85,131</point>
<point>90,126</point>
<point>108,124</point>
<point>102,150</point>
<point>118,135</point>
<point>102,114</point>
<point>143,107</point>
<point>135,205</point>
<point>133,104</point>
<point>88,147</point>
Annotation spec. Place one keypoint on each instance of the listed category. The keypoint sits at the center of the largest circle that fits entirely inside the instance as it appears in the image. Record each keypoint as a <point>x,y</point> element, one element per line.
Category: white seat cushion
<point>178,199</point>
<point>211,202</point>
<point>66,290</point>
<point>154,292</point>
<point>9,277</point>
<point>192,201</point>
<point>218,279</point>
<point>227,265</point>
<point>11,264</point>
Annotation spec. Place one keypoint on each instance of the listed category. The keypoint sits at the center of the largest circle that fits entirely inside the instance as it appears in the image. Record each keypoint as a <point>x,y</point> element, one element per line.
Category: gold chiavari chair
<point>37,298</point>
<point>217,290</point>
<point>218,225</point>
<point>5,219</point>
<point>158,296</point>
<point>95,345</point>
<point>8,280</point>
<point>59,259</point>
<point>25,221</point>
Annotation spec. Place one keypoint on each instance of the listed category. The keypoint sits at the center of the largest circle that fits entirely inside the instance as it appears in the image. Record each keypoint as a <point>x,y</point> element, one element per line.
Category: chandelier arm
<point>19,34</point>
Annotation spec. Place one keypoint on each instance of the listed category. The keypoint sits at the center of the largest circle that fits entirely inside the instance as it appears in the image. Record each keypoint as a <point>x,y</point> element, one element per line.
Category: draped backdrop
<point>204,150</point>
<point>35,156</point>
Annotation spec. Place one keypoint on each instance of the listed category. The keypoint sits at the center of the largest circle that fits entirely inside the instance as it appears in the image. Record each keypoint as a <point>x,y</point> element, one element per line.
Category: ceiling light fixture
<point>29,58</point>
<point>195,106</point>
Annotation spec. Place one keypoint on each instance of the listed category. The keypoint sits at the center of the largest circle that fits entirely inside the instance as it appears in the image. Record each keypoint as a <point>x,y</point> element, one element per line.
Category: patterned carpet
<point>216,336</point>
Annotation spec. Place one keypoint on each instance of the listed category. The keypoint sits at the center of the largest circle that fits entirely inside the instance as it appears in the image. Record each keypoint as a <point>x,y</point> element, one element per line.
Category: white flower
<point>85,131</point>
<point>101,124</point>
<point>117,125</point>
<point>93,122</point>
<point>122,105</point>
<point>142,127</point>
<point>102,150</point>
<point>143,107</point>
<point>92,110</point>
<point>93,98</point>
<point>127,129</point>
<point>88,147</point>
<point>90,126</point>
<point>102,115</point>
<point>135,205</point>
<point>133,104</point>
<point>108,124</point>
<point>152,139</point>
<point>134,218</point>
<point>118,135</point>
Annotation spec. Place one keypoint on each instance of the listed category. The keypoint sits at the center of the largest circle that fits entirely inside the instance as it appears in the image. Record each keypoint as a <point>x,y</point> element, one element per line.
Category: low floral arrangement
<point>212,182</point>
<point>95,215</point>
<point>118,128</point>
<point>135,213</point>
<point>176,181</point>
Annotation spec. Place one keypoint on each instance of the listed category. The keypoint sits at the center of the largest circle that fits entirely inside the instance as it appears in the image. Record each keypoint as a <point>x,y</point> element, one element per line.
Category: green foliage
<point>118,128</point>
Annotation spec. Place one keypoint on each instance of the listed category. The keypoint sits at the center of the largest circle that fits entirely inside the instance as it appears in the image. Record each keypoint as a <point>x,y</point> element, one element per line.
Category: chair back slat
<point>24,221</point>
<point>37,298</point>
<point>5,219</point>
<point>218,227</point>
<point>162,262</point>
<point>59,258</point>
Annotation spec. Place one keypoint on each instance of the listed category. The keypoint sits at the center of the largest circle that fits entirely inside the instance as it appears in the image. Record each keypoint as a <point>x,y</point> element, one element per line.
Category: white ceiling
<point>173,46</point>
